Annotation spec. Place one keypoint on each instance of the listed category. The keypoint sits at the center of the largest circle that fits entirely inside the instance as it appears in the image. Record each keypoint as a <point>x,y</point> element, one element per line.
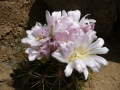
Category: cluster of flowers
<point>69,39</point>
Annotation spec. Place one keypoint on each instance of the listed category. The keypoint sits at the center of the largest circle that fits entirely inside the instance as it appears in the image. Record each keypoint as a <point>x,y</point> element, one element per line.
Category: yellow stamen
<point>39,38</point>
<point>79,53</point>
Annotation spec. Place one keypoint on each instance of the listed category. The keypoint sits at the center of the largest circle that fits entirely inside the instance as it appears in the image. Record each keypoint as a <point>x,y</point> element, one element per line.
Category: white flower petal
<point>35,52</point>
<point>59,57</point>
<point>83,21</point>
<point>85,72</point>
<point>79,66</point>
<point>92,34</point>
<point>86,41</point>
<point>102,50</point>
<point>68,70</point>
<point>35,43</point>
<point>97,65</point>
<point>48,17</point>
<point>30,51</point>
<point>64,13</point>
<point>31,37</point>
<point>32,57</point>
<point>97,44</point>
<point>38,24</point>
<point>36,33</point>
<point>89,62</point>
<point>81,63</point>
<point>92,20</point>
<point>75,15</point>
<point>56,16</point>
<point>77,40</point>
<point>95,70</point>
<point>39,57</point>
<point>70,47</point>
<point>66,48</point>
<point>100,60</point>
<point>29,32</point>
<point>78,14</point>
<point>26,40</point>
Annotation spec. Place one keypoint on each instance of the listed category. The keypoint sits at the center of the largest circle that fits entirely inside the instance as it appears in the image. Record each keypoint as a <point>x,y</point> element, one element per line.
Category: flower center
<point>79,53</point>
<point>39,38</point>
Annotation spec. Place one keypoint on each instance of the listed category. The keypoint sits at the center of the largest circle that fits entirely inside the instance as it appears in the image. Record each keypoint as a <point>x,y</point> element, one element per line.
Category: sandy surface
<point>15,18</point>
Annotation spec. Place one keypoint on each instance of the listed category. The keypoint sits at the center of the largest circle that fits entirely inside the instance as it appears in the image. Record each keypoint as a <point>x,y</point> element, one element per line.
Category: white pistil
<point>51,31</point>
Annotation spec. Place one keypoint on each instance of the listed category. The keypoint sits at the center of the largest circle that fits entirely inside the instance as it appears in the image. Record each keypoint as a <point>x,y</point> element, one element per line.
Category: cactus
<point>48,75</point>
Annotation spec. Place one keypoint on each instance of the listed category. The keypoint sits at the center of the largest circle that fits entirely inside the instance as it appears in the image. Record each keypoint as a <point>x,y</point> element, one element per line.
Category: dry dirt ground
<point>15,18</point>
<point>109,77</point>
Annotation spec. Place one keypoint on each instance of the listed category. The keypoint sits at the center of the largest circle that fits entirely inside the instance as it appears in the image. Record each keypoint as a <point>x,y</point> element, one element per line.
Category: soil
<point>109,77</point>
<point>18,15</point>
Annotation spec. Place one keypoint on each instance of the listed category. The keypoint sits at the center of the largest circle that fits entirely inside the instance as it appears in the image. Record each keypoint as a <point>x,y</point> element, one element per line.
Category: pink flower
<point>36,36</point>
<point>39,52</point>
<point>54,45</point>
<point>81,54</point>
<point>75,15</point>
<point>53,22</point>
<point>84,24</point>
<point>87,24</point>
<point>69,39</point>
<point>51,19</point>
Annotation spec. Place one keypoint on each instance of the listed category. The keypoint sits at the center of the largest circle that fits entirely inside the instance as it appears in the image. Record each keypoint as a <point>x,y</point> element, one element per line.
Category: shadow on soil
<point>37,13</point>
